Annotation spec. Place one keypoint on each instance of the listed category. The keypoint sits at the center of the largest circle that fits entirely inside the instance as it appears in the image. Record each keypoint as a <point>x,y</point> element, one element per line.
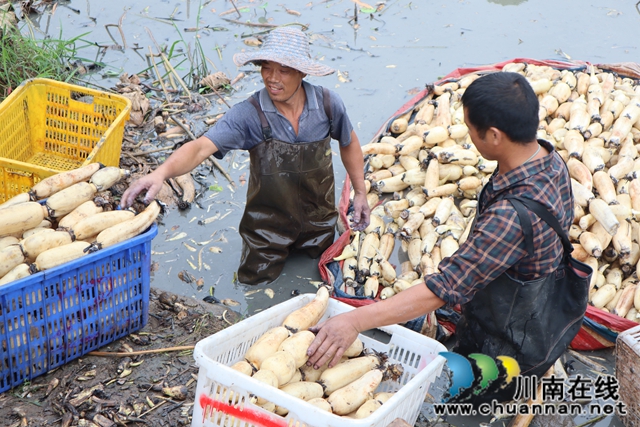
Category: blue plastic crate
<point>55,316</point>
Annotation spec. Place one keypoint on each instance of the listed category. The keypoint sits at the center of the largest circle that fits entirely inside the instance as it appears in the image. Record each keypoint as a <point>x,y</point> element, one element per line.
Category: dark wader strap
<point>525,224</point>
<point>266,129</point>
<point>521,205</point>
<point>326,101</point>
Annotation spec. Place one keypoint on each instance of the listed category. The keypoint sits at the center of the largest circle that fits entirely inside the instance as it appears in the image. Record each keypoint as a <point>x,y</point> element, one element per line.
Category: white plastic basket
<point>217,382</point>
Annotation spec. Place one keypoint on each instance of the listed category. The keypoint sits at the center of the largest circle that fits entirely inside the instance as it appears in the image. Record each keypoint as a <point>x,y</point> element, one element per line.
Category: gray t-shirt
<point>240,129</point>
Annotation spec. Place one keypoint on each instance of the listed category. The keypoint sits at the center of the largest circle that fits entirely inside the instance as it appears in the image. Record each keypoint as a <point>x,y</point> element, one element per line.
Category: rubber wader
<point>290,202</point>
<point>533,321</point>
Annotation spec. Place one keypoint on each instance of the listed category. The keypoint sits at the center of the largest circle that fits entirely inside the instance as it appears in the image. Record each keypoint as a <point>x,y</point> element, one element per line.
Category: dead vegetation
<point>147,378</point>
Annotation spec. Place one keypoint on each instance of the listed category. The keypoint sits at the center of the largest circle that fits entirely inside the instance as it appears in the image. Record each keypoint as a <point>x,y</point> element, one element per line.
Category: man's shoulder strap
<point>326,102</point>
<point>266,129</point>
<point>521,205</point>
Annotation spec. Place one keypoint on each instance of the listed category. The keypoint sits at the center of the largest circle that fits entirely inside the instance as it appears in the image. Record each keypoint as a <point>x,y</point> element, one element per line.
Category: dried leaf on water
<point>162,253</point>
<point>190,248</point>
<point>255,291</point>
<point>186,277</point>
<point>178,236</point>
<point>269,292</point>
<point>206,266</point>
<point>252,41</point>
<point>210,219</point>
<point>192,265</point>
<point>215,249</point>
<point>230,302</point>
<point>216,80</point>
<point>562,53</point>
<point>200,283</point>
<point>343,76</point>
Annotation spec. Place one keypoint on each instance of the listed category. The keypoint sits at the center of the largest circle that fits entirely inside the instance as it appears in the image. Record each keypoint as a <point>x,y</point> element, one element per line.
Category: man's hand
<point>354,164</point>
<point>151,183</point>
<point>183,160</point>
<point>333,337</point>
<point>361,212</point>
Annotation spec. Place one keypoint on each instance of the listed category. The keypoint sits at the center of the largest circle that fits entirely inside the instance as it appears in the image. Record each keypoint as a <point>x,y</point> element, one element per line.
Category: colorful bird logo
<point>478,375</point>
<point>461,372</point>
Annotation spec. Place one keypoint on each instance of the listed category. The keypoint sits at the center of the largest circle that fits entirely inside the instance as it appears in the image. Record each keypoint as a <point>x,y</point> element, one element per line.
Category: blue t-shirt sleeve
<point>238,129</point>
<point>342,126</point>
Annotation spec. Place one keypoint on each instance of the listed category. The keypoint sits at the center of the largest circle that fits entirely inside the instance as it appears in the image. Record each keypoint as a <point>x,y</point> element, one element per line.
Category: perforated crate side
<point>216,381</point>
<point>55,316</point>
<point>628,373</point>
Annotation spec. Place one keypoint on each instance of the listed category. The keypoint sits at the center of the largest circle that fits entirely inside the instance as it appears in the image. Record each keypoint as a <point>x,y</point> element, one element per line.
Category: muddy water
<point>382,58</point>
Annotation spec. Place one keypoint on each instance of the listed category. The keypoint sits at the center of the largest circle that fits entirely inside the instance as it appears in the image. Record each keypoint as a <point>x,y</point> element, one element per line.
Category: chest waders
<point>290,202</point>
<point>532,321</point>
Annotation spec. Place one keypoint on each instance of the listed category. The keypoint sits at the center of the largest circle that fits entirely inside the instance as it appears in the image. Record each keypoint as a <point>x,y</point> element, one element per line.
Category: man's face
<point>281,81</point>
<point>478,141</point>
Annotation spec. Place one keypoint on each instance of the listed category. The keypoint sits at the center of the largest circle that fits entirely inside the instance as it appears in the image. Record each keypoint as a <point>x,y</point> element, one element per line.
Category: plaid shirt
<point>496,245</point>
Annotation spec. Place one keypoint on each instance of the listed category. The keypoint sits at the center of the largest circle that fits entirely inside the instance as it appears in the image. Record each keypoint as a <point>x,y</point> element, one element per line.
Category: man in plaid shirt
<point>501,112</point>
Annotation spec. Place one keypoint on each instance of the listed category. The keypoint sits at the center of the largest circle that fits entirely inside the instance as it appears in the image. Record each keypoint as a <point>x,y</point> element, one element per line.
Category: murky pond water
<point>382,58</point>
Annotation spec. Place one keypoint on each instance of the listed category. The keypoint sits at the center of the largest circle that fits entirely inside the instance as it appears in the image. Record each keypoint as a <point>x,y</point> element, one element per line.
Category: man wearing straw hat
<point>287,128</point>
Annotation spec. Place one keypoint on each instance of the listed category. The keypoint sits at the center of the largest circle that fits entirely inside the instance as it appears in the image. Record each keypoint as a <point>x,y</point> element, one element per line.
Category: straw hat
<point>286,46</point>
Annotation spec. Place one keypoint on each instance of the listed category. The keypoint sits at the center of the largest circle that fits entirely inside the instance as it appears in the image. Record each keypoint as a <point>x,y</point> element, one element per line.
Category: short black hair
<point>505,101</point>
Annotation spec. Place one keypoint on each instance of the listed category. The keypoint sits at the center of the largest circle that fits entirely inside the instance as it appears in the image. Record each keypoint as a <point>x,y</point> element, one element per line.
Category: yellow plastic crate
<point>47,127</point>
